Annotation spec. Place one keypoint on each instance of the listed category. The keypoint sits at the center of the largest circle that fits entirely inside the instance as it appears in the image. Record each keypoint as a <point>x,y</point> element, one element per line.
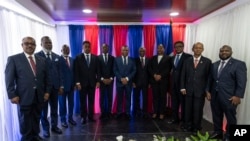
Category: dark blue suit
<point>195,80</point>
<point>57,82</point>
<point>121,71</point>
<point>176,97</point>
<point>68,93</point>
<point>20,81</point>
<point>106,91</point>
<point>231,82</point>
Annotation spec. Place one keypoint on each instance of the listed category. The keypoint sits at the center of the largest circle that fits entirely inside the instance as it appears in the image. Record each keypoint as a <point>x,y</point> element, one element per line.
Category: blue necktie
<point>105,59</point>
<point>177,60</point>
<point>221,68</point>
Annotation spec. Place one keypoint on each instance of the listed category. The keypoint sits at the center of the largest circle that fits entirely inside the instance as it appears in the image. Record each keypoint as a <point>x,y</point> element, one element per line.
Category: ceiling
<point>127,10</point>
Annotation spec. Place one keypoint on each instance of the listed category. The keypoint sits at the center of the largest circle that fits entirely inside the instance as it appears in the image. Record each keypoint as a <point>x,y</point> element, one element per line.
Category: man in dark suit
<point>141,84</point>
<point>67,66</point>
<point>124,69</point>
<point>57,87</point>
<point>228,82</point>
<point>28,85</point>
<point>87,74</point>
<point>176,96</point>
<point>159,71</point>
<point>194,78</point>
<point>106,82</point>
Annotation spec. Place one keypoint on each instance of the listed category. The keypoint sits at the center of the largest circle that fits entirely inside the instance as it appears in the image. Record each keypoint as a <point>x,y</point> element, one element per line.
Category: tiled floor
<point>138,129</point>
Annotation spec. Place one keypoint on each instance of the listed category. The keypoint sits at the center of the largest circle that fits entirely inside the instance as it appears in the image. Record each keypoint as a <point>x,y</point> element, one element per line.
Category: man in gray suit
<point>28,86</point>
<point>227,86</point>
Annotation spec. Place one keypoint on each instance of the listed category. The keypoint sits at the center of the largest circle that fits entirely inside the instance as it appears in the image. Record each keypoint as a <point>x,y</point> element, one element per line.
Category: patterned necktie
<point>88,62</point>
<point>196,61</point>
<point>33,65</point>
<point>177,60</point>
<point>221,68</point>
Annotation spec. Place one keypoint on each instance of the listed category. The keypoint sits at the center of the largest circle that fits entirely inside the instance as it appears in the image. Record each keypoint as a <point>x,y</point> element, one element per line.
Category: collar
<point>27,55</point>
<point>197,58</point>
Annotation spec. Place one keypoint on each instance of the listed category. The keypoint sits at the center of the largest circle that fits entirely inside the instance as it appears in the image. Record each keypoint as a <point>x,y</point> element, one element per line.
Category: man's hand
<point>235,100</point>
<point>60,91</point>
<point>157,77</point>
<point>208,95</point>
<point>78,87</point>
<point>124,81</point>
<point>15,100</point>
<point>46,97</point>
<point>183,91</point>
<point>97,85</point>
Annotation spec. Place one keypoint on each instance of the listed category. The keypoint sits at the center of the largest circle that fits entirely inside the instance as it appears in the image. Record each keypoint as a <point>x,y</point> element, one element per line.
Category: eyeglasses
<point>27,44</point>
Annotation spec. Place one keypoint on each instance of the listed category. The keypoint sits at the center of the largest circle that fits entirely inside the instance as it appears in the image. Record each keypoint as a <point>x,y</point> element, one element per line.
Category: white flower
<point>119,138</point>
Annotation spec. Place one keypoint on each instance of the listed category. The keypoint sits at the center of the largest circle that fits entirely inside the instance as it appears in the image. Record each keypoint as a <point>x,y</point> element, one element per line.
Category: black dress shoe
<point>46,134</point>
<point>64,124</point>
<point>173,121</point>
<point>56,130</point>
<point>72,122</point>
<point>37,138</point>
<point>216,136</point>
<point>83,121</point>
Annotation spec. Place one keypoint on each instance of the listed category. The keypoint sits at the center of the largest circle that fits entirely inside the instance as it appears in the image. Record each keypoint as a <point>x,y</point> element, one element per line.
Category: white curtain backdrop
<point>231,28</point>
<point>13,28</point>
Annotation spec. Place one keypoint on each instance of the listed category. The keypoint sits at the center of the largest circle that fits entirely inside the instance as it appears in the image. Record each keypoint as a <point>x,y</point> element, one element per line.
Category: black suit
<point>57,82</point>
<point>177,97</point>
<point>195,80</point>
<point>141,82</point>
<point>106,91</point>
<point>159,87</point>
<point>87,76</point>
<point>231,82</point>
<point>20,81</point>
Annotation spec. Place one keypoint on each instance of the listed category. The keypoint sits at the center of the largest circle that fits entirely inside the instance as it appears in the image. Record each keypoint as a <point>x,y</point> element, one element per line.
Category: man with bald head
<point>227,87</point>
<point>28,85</point>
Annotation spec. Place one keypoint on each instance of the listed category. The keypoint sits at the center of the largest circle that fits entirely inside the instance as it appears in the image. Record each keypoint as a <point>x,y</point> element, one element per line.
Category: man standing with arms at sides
<point>124,69</point>
<point>106,82</point>
<point>141,84</point>
<point>28,86</point>
<point>159,71</point>
<point>57,87</point>
<point>177,98</point>
<point>87,74</point>
<point>194,79</point>
<point>67,66</point>
<point>228,83</point>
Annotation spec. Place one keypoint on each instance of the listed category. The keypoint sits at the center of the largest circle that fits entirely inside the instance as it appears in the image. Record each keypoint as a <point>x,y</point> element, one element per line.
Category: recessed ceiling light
<point>174,14</point>
<point>87,11</point>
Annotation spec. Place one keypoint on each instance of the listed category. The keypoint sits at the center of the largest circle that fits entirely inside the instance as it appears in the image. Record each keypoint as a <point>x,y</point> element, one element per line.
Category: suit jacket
<point>195,80</point>
<point>67,73</point>
<point>20,80</point>
<point>121,70</point>
<point>54,69</point>
<point>141,75</point>
<point>106,69</point>
<point>176,70</point>
<point>87,75</point>
<point>162,68</point>
<point>232,79</point>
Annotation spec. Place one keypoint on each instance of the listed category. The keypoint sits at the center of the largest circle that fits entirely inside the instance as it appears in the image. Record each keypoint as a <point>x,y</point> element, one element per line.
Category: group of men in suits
<point>34,80</point>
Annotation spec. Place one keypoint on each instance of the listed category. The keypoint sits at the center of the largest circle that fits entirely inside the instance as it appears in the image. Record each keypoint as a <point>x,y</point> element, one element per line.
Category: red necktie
<point>196,61</point>
<point>33,65</point>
